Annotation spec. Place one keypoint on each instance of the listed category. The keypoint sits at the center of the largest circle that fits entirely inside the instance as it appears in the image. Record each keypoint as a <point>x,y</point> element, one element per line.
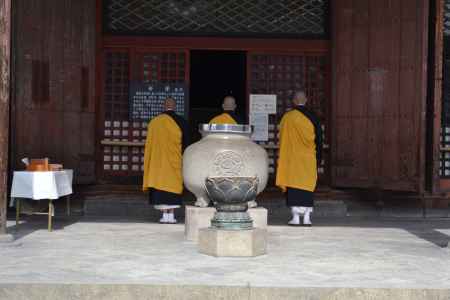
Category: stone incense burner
<point>224,151</point>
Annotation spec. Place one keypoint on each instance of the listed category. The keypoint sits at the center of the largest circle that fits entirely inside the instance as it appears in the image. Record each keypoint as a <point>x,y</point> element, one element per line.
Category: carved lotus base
<point>230,196</point>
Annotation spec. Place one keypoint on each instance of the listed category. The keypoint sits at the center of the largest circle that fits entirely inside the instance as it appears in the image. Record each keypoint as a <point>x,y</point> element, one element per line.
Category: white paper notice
<point>260,124</point>
<point>260,103</point>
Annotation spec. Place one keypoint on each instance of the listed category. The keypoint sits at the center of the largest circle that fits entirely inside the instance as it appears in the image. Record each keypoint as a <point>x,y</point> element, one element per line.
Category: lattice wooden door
<point>283,74</point>
<point>123,139</point>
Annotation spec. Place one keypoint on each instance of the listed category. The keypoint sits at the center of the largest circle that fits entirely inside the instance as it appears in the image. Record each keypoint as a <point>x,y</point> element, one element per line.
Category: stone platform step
<point>187,292</point>
<point>135,206</point>
<point>118,206</point>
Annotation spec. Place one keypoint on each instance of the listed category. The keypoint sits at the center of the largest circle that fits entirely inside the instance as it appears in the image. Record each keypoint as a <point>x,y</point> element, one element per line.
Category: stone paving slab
<point>334,253</point>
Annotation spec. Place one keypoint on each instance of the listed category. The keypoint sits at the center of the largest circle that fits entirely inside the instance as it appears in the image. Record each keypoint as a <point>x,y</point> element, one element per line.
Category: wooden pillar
<point>435,103</point>
<point>5,38</point>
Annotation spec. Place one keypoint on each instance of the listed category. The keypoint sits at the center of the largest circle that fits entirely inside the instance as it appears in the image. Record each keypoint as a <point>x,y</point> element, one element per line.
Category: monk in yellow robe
<point>228,116</point>
<point>299,154</point>
<point>167,136</point>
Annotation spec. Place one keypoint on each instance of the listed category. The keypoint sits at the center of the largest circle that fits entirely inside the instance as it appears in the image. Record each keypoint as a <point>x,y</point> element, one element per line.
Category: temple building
<point>86,76</point>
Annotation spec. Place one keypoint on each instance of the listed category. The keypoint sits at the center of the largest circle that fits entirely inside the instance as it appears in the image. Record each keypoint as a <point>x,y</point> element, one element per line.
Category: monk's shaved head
<point>170,104</point>
<point>299,98</point>
<point>229,103</point>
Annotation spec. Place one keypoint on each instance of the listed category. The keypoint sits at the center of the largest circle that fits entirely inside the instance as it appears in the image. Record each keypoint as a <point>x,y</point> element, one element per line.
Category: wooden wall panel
<point>5,42</point>
<point>86,157</point>
<point>379,84</point>
<point>344,47</point>
<point>359,92</point>
<point>61,34</point>
<point>391,125</point>
<point>57,73</point>
<point>72,147</point>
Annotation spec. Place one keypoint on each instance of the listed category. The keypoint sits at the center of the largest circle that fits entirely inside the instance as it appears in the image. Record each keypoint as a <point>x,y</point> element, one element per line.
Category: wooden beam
<point>209,43</point>
<point>5,39</point>
<point>436,95</point>
<point>423,27</point>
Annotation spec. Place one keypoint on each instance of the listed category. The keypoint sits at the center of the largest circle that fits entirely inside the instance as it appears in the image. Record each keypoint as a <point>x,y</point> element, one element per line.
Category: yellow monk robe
<point>163,157</point>
<point>223,118</point>
<point>297,163</point>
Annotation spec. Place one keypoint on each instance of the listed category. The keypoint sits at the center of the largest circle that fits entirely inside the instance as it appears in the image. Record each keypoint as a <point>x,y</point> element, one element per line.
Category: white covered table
<point>49,185</point>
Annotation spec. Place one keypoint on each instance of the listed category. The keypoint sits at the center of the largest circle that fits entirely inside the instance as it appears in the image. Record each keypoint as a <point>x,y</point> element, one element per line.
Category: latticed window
<point>299,18</point>
<point>283,75</point>
<point>166,67</point>
<point>116,84</point>
<point>149,66</point>
<point>447,18</point>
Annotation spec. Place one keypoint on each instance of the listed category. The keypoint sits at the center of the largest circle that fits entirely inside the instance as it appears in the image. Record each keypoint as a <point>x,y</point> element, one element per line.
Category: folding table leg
<point>17,211</point>
<point>68,205</point>
<point>50,214</point>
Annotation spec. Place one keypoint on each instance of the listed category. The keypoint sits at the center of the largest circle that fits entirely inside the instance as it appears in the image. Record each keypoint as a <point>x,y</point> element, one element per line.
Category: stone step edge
<point>73,291</point>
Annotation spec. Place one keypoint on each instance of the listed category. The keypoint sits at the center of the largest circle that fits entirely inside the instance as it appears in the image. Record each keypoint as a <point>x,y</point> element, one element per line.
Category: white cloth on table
<point>41,185</point>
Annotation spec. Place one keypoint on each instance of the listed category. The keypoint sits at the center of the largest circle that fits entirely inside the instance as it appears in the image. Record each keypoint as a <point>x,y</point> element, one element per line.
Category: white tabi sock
<point>307,216</point>
<point>164,218</point>
<point>295,216</point>
<point>298,210</point>
<point>171,218</point>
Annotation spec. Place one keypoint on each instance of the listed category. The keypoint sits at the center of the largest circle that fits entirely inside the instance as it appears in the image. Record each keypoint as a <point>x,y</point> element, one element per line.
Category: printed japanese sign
<point>147,99</point>
<point>260,103</point>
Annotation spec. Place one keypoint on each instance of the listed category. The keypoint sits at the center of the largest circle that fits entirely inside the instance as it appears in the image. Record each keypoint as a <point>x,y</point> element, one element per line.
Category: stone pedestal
<point>200,217</point>
<point>259,217</point>
<point>6,238</point>
<point>196,218</point>
<point>232,243</point>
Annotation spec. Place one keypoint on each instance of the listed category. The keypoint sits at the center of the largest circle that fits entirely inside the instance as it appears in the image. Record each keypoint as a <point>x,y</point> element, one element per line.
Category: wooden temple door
<point>379,94</point>
<point>282,74</point>
<point>122,139</point>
